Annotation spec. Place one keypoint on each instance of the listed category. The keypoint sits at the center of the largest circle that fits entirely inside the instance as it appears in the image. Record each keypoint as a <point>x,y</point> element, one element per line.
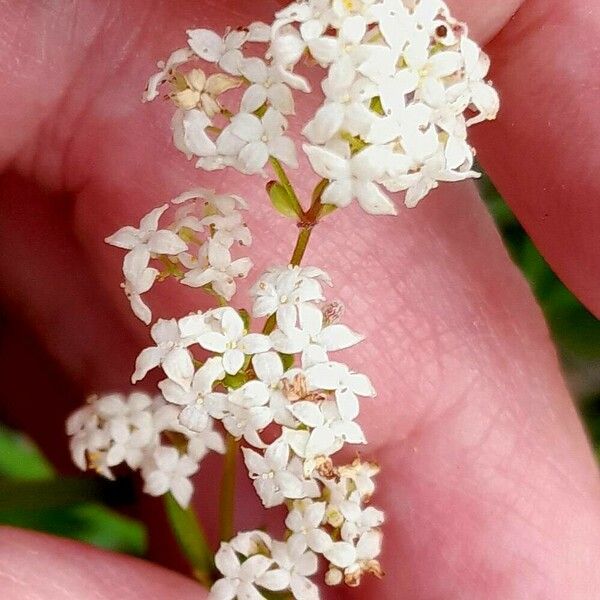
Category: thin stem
<point>301,245</point>
<point>227,497</point>
<point>191,539</point>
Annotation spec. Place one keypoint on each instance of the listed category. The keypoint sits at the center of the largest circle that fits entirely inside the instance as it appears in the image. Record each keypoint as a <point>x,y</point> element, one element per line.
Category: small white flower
<point>145,241</point>
<point>269,369</point>
<point>352,177</point>
<point>190,135</point>
<point>232,341</point>
<point>294,564</point>
<point>313,338</point>
<point>247,412</point>
<point>220,273</point>
<point>202,442</point>
<point>239,577</point>
<point>89,441</point>
<point>269,472</point>
<point>305,521</point>
<point>253,140</point>
<point>356,520</point>
<point>170,353</point>
<point>345,384</point>
<point>213,48</point>
<point>134,288</point>
<point>197,399</point>
<point>281,290</point>
<point>129,422</point>
<point>267,85</point>
<point>177,58</point>
<point>168,471</point>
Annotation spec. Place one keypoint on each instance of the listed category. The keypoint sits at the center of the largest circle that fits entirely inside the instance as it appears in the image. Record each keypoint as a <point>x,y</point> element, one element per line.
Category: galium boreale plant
<point>401,84</point>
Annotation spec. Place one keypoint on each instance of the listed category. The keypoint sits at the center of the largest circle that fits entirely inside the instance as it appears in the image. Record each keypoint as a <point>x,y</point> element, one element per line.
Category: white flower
<point>294,564</point>
<point>253,140</point>
<point>213,48</point>
<point>247,413</point>
<point>313,338</point>
<point>144,241</point>
<point>267,85</point>
<point>202,442</point>
<point>170,353</point>
<point>189,133</point>
<point>89,441</point>
<point>269,369</point>
<point>199,403</point>
<point>134,288</point>
<point>345,384</point>
<point>326,432</point>
<point>129,423</point>
<point>281,290</point>
<point>272,480</point>
<point>361,475</point>
<point>221,271</point>
<point>356,520</point>
<point>239,577</point>
<point>364,559</point>
<point>177,58</point>
<point>168,471</point>
<point>232,341</point>
<point>352,177</point>
<point>305,521</point>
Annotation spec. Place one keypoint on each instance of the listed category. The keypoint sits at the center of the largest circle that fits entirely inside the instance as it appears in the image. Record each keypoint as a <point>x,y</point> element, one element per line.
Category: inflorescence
<point>401,84</point>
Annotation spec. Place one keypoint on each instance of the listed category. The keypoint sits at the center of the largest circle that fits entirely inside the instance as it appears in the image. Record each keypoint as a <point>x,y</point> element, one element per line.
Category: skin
<point>488,481</point>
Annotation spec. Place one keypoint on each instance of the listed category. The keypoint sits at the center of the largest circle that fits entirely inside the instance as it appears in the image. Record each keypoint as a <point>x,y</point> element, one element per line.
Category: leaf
<point>191,539</point>
<point>283,202</point>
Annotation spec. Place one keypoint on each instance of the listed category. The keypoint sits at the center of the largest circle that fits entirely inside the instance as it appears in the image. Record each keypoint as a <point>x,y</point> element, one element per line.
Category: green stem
<point>227,497</point>
<point>191,539</point>
<point>301,245</point>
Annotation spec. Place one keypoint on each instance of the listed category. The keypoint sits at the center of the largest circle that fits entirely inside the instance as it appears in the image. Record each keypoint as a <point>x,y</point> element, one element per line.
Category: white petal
<point>338,336</point>
<point>372,200</point>
<point>182,490</point>
<point>254,97</point>
<point>347,404</point>
<point>320,442</point>
<point>213,341</point>
<point>326,123</point>
<point>254,343</point>
<point>311,318</point>
<point>268,367</point>
<point>233,361</point>
<point>274,579</point>
<point>178,366</point>
<point>307,412</point>
<point>166,242</point>
<point>254,157</point>
<point>341,554</point>
<point>205,43</point>
<point>147,360</point>
<point>127,238</point>
<point>327,164</point>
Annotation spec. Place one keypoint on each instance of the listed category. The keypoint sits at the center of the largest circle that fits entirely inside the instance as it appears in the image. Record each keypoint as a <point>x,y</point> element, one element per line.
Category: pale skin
<point>488,481</point>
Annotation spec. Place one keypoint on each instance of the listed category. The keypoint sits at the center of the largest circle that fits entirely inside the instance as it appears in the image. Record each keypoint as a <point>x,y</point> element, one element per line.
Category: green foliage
<point>33,497</point>
<point>283,202</point>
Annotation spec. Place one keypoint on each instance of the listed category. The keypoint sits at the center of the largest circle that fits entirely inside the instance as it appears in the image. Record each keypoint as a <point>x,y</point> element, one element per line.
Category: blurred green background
<point>27,498</point>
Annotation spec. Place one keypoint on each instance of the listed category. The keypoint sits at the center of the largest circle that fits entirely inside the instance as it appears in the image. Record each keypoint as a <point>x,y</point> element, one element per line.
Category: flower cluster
<point>143,433</point>
<point>402,83</point>
<point>195,247</point>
